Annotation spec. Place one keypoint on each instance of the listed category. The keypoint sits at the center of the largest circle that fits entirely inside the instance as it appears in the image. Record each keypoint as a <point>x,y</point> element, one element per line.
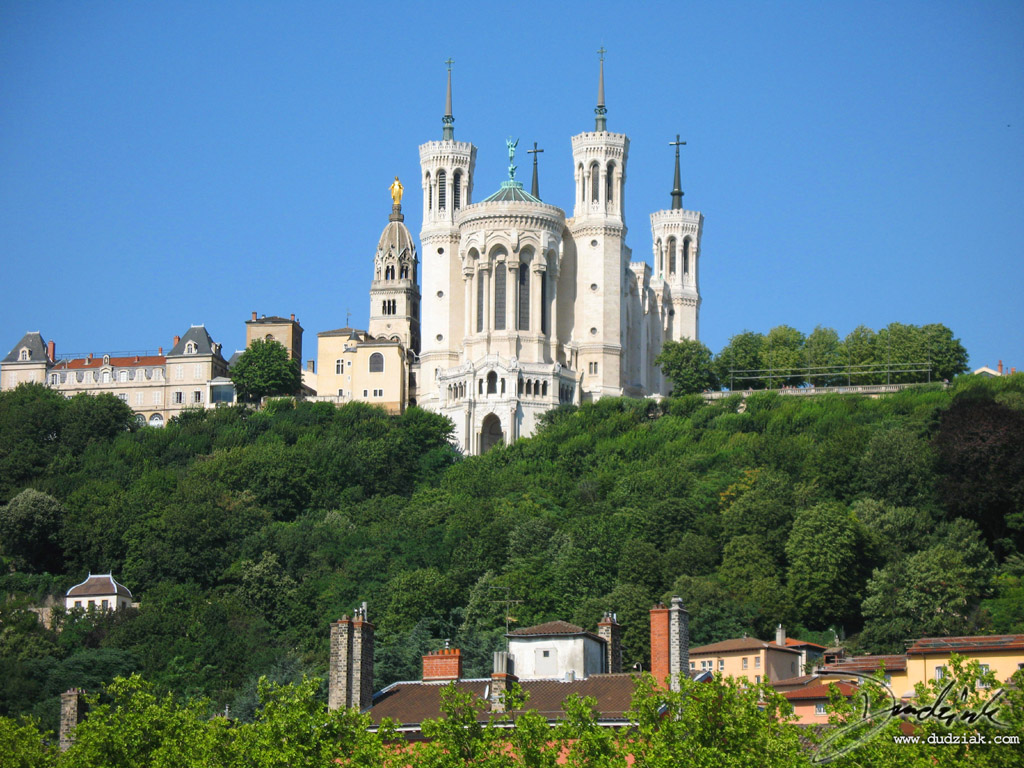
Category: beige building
<point>285,331</point>
<point>156,386</point>
<point>748,657</point>
<point>356,366</point>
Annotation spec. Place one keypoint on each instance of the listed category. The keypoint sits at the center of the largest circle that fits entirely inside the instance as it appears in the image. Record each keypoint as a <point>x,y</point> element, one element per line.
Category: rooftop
<point>511,192</point>
<point>739,644</point>
<point>97,585</point>
<point>968,644</point>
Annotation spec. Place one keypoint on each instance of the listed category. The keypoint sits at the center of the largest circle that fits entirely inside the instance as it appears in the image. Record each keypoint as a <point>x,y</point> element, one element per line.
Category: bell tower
<point>599,231</point>
<point>394,295</point>
<point>676,236</point>
<point>447,178</point>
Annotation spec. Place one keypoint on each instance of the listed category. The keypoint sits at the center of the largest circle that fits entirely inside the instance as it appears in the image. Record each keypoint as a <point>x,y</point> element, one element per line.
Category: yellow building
<point>747,657</point>
<point>286,332</point>
<point>356,366</point>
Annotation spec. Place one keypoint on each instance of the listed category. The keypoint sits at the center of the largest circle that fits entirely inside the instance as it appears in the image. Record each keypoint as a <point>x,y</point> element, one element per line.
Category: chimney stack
<point>293,317</point>
<point>51,351</point>
<point>1000,367</point>
<point>610,631</point>
<point>253,315</point>
<point>72,712</point>
<point>445,664</point>
<point>780,635</point>
<point>160,351</point>
<point>350,676</point>
<point>177,339</point>
<point>501,677</point>
<point>670,642</point>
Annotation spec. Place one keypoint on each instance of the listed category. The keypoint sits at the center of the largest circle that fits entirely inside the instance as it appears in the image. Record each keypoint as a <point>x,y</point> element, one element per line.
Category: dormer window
<point>190,348</point>
<point>25,354</point>
<point>106,359</point>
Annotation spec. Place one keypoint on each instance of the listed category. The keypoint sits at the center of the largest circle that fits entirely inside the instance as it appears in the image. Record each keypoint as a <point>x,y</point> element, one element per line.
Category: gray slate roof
<point>198,334</point>
<point>36,347</point>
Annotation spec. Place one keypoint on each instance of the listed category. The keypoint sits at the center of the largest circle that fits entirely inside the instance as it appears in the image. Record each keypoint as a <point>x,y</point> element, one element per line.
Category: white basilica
<point>522,308</point>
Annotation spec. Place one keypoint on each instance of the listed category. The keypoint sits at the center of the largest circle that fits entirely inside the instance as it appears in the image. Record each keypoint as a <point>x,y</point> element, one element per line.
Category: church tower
<point>394,296</point>
<point>676,236</point>
<point>447,176</point>
<point>601,258</point>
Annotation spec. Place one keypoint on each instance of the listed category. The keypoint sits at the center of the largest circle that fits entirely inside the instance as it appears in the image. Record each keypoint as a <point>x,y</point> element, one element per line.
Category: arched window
<point>582,184</point>
<point>156,420</point>
<point>661,257</point>
<point>499,297</point>
<point>456,191</point>
<point>492,383</point>
<point>106,377</point>
<point>520,386</point>
<point>595,182</point>
<point>686,256</point>
<point>190,348</point>
<point>389,272</point>
<point>442,190</point>
<point>404,272</point>
<point>122,375</point>
<point>479,386</point>
<point>529,387</point>
<point>25,354</point>
<point>376,363</point>
<point>610,181</point>
<point>544,302</point>
<point>430,194</point>
<point>503,386</point>
<point>524,296</point>
<point>544,390</point>
<point>671,255</point>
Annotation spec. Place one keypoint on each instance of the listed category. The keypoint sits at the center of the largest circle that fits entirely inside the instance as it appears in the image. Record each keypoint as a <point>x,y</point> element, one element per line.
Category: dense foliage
<point>722,723</point>
<point>785,357</point>
<point>243,534</point>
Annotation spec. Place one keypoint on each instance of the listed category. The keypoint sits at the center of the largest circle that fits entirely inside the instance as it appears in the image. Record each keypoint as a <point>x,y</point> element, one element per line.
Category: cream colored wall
<point>764,663</point>
<point>921,669</point>
<point>96,603</point>
<point>355,377</point>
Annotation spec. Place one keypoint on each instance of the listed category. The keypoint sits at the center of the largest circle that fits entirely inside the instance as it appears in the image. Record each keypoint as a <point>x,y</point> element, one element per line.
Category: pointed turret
<point>535,186</point>
<point>677,189</point>
<point>600,122</point>
<point>448,121</point>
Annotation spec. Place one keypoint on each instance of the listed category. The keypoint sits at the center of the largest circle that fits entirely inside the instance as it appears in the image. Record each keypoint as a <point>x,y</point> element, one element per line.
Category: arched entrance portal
<point>490,433</point>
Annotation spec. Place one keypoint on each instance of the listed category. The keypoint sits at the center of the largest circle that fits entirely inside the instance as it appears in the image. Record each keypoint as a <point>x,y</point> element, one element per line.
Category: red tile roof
<point>738,644</point>
<point>97,585</point>
<point>550,628</point>
<point>115,362</point>
<point>970,644</point>
<point>791,641</point>
<point>413,702</point>
<point>820,691</point>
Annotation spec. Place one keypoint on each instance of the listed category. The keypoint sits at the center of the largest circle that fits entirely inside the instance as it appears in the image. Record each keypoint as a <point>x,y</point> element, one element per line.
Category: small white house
<point>98,592</point>
<point>556,650</point>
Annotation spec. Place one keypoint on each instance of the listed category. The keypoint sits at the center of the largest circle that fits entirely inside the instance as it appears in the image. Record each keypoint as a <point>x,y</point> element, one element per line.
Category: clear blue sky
<point>169,164</point>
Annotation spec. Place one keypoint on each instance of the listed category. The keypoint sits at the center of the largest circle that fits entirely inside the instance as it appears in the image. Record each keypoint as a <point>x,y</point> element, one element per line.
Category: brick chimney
<point>670,642</point>
<point>1000,367</point>
<point>253,315</point>
<point>610,631</point>
<point>51,351</point>
<point>445,664</point>
<point>780,635</point>
<point>72,712</point>
<point>177,339</point>
<point>160,351</point>
<point>350,675</point>
<point>501,677</point>
<point>293,317</point>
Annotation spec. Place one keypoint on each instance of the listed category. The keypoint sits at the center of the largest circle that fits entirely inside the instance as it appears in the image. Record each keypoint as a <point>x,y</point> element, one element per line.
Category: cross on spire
<point>600,111</point>
<point>677,190</point>
<point>448,121</point>
<point>535,187</point>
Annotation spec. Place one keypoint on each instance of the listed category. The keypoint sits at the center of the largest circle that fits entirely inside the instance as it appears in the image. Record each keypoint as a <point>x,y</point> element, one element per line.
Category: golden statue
<point>396,191</point>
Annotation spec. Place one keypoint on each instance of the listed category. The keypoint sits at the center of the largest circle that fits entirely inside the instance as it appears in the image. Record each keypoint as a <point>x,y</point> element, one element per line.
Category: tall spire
<point>448,121</point>
<point>535,187</point>
<point>600,111</point>
<point>677,189</point>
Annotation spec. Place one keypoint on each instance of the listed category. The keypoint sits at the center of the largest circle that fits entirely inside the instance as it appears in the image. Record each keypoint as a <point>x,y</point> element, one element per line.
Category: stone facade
<point>670,642</point>
<point>72,712</point>
<point>525,309</point>
<point>156,386</point>
<point>285,331</point>
<point>610,631</point>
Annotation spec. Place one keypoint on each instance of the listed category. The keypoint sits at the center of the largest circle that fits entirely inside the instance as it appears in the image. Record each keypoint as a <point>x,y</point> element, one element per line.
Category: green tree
<point>860,355</point>
<point>29,531</point>
<point>945,353</point>
<point>24,746</point>
<point>823,352</point>
<point>738,363</point>
<point>92,419</point>
<point>826,574</point>
<point>783,356</point>
<point>687,364</point>
<point>265,369</point>
<point>30,424</point>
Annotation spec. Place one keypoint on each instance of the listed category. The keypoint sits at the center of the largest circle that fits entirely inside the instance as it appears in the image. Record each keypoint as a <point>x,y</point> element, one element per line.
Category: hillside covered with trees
<point>243,534</point>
